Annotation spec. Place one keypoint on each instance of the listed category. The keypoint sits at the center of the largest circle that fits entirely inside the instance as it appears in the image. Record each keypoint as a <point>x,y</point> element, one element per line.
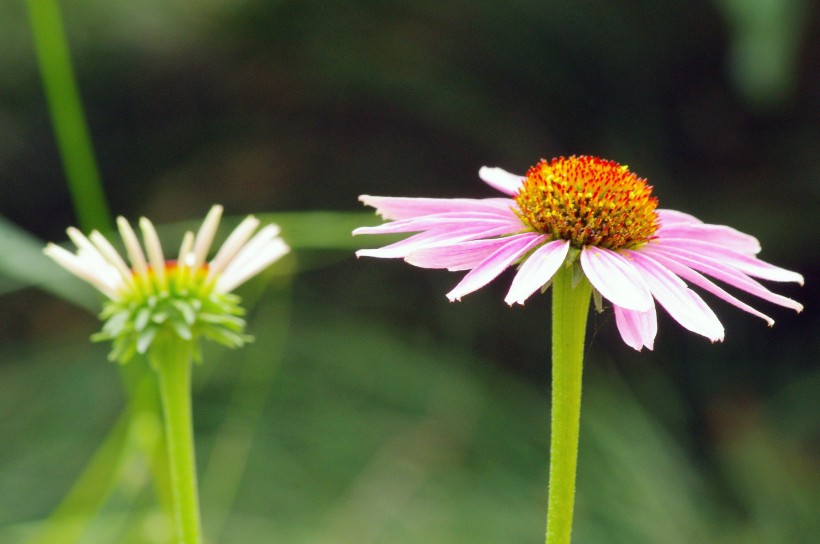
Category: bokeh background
<point>370,409</point>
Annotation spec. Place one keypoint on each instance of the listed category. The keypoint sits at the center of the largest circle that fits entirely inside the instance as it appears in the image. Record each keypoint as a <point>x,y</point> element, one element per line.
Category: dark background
<point>391,415</point>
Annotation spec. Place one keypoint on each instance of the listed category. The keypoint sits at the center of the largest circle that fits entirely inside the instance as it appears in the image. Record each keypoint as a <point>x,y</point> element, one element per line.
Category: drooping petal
<point>500,179</point>
<point>701,281</point>
<point>745,263</point>
<point>397,208</point>
<point>616,278</point>
<point>683,304</point>
<point>638,329</point>
<point>537,270</point>
<point>493,265</point>
<point>461,255</point>
<point>723,272</point>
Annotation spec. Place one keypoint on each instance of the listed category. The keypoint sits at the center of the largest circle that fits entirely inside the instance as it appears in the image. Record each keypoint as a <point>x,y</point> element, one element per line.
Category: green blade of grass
<point>65,107</point>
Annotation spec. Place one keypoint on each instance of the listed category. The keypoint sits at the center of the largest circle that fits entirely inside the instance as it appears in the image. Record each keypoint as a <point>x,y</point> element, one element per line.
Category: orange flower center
<point>174,279</point>
<point>588,201</point>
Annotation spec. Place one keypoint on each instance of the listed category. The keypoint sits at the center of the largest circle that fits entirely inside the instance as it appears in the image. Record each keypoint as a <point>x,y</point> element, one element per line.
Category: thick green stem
<point>172,361</point>
<point>570,307</point>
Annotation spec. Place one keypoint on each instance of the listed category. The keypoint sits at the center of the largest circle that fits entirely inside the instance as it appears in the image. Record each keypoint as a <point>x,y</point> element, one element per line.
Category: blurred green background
<point>369,409</point>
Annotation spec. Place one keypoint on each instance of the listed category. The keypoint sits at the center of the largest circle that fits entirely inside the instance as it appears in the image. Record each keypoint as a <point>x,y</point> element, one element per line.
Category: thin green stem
<point>65,106</point>
<point>570,307</point>
<point>172,361</point>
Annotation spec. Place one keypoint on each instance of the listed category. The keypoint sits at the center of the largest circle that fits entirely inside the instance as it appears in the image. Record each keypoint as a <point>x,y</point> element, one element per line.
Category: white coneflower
<point>188,297</point>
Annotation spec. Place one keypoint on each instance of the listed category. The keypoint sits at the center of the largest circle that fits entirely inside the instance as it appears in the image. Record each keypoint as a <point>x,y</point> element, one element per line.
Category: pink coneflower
<point>593,214</point>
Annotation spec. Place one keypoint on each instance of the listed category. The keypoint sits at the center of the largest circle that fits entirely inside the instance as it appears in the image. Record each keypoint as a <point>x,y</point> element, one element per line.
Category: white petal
<point>83,243</point>
<point>94,259</point>
<point>232,245</point>
<point>234,276</point>
<point>205,236</point>
<point>132,247</point>
<point>81,268</point>
<point>263,249</point>
<point>186,258</point>
<point>111,255</point>
<point>501,179</point>
<point>537,270</point>
<point>154,249</point>
<point>616,278</point>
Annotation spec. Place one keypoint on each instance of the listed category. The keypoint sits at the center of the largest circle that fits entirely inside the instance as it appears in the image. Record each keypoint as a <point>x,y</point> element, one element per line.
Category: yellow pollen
<point>588,201</point>
<point>175,278</point>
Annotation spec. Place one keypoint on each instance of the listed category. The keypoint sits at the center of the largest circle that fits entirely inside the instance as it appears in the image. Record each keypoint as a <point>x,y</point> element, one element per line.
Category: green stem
<point>172,361</point>
<point>570,307</point>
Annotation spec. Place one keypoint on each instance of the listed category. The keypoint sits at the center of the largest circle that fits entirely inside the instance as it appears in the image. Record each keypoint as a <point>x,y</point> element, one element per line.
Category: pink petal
<point>433,238</point>
<point>444,221</point>
<point>615,278</point>
<point>683,304</point>
<point>696,278</point>
<point>537,270</point>
<point>744,263</point>
<point>714,234</point>
<point>493,265</point>
<point>673,217</point>
<point>394,208</point>
<point>501,179</point>
<point>462,255</point>
<point>725,273</point>
<point>638,329</point>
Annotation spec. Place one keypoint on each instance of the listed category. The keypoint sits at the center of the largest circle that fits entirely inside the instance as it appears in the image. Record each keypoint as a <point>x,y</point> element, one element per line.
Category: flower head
<point>592,214</point>
<point>185,298</point>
